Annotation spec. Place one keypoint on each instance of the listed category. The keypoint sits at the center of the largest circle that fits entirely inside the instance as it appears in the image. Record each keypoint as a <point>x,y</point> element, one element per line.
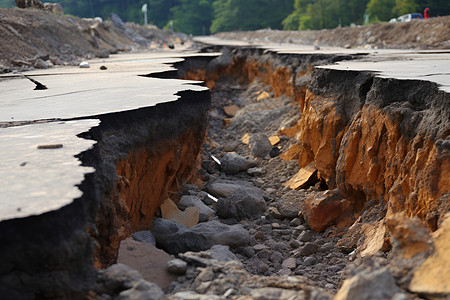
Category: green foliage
<point>193,17</point>
<point>404,7</point>
<point>380,10</point>
<point>249,14</point>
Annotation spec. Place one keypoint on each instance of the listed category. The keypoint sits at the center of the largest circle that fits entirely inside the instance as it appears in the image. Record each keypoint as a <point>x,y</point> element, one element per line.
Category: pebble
<point>259,235</point>
<point>309,249</point>
<point>295,222</point>
<point>84,64</point>
<point>295,244</point>
<point>309,261</point>
<point>177,266</point>
<point>263,268</point>
<point>275,225</point>
<point>305,236</point>
<point>289,263</point>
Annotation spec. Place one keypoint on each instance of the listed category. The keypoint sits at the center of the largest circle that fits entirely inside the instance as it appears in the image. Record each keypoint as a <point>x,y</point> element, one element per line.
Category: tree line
<point>200,17</point>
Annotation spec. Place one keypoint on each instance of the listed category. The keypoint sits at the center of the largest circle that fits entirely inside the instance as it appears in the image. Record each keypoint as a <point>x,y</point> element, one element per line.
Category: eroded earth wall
<point>382,143</point>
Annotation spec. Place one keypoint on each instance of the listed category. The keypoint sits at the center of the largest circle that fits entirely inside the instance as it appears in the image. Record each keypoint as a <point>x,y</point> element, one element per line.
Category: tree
<point>193,17</point>
<point>249,14</point>
<point>404,7</point>
<point>380,10</point>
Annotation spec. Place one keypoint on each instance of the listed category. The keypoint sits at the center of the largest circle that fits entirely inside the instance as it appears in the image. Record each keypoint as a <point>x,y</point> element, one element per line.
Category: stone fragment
<point>230,146</point>
<point>177,266</point>
<point>295,222</point>
<point>233,163</point>
<point>274,139</point>
<point>84,65</point>
<point>142,290</point>
<point>147,259</point>
<point>409,237</point>
<point>222,253</point>
<point>259,235</point>
<point>255,171</point>
<point>260,145</point>
<point>309,261</point>
<point>40,64</point>
<point>189,217</point>
<point>309,249</point>
<point>191,295</point>
<point>377,285</point>
<point>295,244</point>
<point>292,153</point>
<point>205,212</point>
<point>432,278</point>
<point>289,263</point>
<point>117,277</point>
<point>245,202</point>
<point>231,110</point>
<point>290,204</point>
<point>305,236</point>
<point>263,95</point>
<point>304,177</point>
<point>176,238</point>
<point>325,209</point>
<point>263,268</point>
<point>259,247</point>
<point>245,139</point>
<point>274,213</point>
<point>144,236</point>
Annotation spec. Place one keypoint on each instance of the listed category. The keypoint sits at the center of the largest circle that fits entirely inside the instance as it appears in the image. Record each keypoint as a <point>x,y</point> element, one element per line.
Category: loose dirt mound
<point>433,33</point>
<point>27,35</point>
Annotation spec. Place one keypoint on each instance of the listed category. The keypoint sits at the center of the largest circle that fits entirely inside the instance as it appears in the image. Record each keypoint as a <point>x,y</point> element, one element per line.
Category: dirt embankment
<point>32,38</point>
<point>433,33</point>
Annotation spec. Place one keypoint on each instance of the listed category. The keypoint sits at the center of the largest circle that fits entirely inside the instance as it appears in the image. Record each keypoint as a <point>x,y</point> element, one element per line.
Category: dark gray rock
<point>305,236</point>
<point>41,64</point>
<point>309,249</point>
<point>176,238</point>
<point>117,277</point>
<point>205,212</point>
<point>309,261</point>
<point>233,163</point>
<point>144,236</point>
<point>222,253</point>
<point>246,202</point>
<point>291,203</point>
<point>260,145</point>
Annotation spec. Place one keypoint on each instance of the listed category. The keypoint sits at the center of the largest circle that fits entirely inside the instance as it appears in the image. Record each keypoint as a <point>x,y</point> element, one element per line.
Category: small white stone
<point>84,64</point>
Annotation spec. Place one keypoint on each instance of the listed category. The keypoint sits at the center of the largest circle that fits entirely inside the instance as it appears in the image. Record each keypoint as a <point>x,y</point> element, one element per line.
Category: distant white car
<point>407,18</point>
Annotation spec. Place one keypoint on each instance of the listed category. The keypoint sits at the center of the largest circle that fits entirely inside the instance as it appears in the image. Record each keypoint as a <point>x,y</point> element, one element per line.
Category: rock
<point>177,266</point>
<point>259,235</point>
<point>309,261</point>
<point>409,237</point>
<point>255,171</point>
<point>233,163</point>
<point>305,236</point>
<point>244,203</point>
<point>117,21</point>
<point>377,285</point>
<point>263,95</point>
<point>142,290</point>
<point>117,277</point>
<point>191,295</point>
<point>263,268</point>
<point>274,213</point>
<point>306,176</point>
<point>144,237</point>
<point>205,212</point>
<point>40,64</point>
<point>230,146</point>
<point>222,253</point>
<point>147,259</point>
<point>189,217</point>
<point>325,209</point>
<point>259,247</point>
<point>295,244</point>
<point>432,278</point>
<point>176,238</point>
<point>290,204</point>
<point>84,64</point>
<point>260,145</point>
<point>309,249</point>
<point>231,110</point>
<point>55,8</point>
<point>289,263</point>
<point>295,222</point>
